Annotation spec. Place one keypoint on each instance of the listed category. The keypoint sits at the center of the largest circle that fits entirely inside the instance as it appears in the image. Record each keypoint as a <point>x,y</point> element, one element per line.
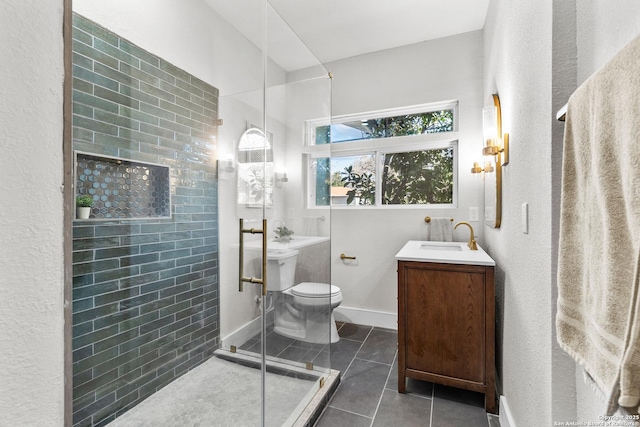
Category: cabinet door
<point>445,322</point>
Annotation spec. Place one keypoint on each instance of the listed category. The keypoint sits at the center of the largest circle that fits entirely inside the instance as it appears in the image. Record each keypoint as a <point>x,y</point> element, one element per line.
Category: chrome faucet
<point>472,241</point>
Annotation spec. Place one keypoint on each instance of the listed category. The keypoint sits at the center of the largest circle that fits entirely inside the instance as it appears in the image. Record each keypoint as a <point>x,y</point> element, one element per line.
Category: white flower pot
<point>82,212</point>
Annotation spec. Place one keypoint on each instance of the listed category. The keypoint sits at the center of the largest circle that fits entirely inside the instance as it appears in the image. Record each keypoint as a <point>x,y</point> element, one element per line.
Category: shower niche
<point>123,189</point>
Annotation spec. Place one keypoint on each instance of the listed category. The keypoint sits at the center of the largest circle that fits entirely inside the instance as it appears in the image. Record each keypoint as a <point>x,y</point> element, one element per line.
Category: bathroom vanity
<point>446,317</point>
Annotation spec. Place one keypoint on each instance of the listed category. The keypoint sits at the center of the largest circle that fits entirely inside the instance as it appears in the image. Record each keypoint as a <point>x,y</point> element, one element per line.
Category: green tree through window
<point>418,177</point>
<point>424,175</point>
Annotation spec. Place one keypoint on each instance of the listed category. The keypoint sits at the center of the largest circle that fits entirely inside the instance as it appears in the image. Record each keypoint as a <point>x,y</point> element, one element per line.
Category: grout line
<point>374,361</point>
<point>348,412</point>
<point>355,356</point>
<point>343,376</point>
<point>384,387</point>
<point>433,391</point>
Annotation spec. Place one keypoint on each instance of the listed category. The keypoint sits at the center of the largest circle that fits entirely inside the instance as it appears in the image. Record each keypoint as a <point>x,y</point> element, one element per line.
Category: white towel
<point>598,318</point>
<point>441,230</point>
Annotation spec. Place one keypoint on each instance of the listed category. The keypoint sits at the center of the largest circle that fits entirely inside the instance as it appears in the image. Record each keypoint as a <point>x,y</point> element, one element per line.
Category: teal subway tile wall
<point>145,290</point>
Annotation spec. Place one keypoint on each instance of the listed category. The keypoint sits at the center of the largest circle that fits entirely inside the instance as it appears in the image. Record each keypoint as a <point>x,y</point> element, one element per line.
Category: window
<point>393,158</point>
<point>255,168</point>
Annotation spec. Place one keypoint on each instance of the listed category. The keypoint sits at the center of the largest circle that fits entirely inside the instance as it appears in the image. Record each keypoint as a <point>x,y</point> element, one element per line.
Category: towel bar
<point>428,219</point>
<point>562,113</point>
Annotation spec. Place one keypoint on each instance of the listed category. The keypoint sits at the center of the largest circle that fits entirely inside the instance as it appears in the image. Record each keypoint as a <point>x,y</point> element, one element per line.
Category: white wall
<point>602,31</point>
<point>518,55</point>
<point>439,70</point>
<point>31,214</point>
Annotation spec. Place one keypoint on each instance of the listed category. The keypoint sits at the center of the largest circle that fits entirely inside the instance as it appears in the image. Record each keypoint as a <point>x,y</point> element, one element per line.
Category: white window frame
<point>380,146</point>
<point>312,125</point>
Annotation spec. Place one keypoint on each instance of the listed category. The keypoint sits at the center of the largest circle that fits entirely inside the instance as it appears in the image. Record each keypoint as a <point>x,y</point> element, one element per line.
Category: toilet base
<point>315,332</point>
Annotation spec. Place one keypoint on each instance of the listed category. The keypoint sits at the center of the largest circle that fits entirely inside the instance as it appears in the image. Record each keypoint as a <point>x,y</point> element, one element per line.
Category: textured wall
<point>518,60</point>
<point>31,214</point>
<point>145,292</point>
<point>564,83</point>
<point>602,31</point>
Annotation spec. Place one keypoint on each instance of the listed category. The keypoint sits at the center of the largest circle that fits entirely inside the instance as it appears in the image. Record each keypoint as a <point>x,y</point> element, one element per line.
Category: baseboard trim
<point>506,420</point>
<point>242,334</point>
<point>359,316</point>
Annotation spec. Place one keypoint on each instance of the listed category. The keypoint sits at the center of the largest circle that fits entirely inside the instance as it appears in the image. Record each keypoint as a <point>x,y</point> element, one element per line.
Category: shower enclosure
<point>188,134</point>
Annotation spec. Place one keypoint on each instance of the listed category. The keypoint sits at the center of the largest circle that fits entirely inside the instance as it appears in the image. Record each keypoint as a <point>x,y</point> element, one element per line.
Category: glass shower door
<point>262,172</point>
<point>181,130</point>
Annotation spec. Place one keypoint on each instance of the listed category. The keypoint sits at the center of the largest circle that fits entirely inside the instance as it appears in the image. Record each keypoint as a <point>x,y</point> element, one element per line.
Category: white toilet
<point>304,311</point>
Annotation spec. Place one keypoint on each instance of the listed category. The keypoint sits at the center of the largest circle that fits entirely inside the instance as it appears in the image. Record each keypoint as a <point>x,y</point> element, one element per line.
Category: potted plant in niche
<point>83,206</point>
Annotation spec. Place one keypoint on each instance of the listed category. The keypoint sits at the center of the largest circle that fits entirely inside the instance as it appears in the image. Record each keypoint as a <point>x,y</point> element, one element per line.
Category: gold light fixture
<point>495,141</point>
<point>496,146</point>
<point>488,167</point>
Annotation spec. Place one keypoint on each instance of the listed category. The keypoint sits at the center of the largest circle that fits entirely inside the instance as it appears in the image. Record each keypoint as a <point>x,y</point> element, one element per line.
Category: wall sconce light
<point>495,141</point>
<point>496,146</point>
<point>225,167</point>
<point>281,178</point>
<point>488,167</point>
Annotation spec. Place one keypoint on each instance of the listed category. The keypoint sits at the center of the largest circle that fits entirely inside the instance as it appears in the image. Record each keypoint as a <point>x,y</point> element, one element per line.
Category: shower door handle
<point>242,278</point>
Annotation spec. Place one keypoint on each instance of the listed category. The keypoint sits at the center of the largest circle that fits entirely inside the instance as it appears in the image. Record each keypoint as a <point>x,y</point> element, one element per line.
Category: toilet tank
<point>281,269</point>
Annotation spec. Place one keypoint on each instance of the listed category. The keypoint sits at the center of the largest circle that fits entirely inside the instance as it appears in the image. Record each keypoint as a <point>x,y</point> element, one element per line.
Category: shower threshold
<point>225,391</point>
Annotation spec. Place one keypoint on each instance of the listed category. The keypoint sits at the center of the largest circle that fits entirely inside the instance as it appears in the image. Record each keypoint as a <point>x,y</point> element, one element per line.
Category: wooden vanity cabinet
<point>446,326</point>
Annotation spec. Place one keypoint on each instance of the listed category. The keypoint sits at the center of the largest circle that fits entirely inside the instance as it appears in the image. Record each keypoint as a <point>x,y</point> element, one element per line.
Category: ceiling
<point>338,29</point>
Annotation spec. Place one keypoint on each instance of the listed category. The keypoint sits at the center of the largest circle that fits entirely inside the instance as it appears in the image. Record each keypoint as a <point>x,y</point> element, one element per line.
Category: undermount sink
<point>435,246</point>
<point>443,252</point>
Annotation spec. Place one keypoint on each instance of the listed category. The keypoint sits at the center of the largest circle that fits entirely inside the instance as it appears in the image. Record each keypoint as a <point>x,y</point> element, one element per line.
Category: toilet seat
<point>315,290</point>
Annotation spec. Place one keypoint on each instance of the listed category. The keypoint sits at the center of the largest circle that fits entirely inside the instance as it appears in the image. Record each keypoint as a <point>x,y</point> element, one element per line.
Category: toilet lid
<point>313,289</point>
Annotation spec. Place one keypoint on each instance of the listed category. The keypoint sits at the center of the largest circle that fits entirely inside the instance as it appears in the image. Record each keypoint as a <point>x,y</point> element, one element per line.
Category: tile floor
<point>368,396</point>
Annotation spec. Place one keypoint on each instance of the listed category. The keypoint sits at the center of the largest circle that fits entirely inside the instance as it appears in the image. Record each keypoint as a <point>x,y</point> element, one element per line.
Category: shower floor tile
<point>218,393</point>
<point>289,349</point>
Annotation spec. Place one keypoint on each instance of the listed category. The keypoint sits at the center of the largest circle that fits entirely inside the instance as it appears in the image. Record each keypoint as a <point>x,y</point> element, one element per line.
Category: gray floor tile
<point>419,388</point>
<point>342,353</point>
<point>361,387</point>
<point>458,408</point>
<point>354,332</point>
<point>402,410</point>
<point>296,354</point>
<point>250,343</point>
<point>380,346</point>
<point>332,417</point>
<point>322,359</point>
<point>277,343</point>
<point>494,421</point>
<point>314,349</point>
<point>466,397</point>
<point>452,407</point>
<point>392,381</point>
<point>308,345</point>
<point>412,386</point>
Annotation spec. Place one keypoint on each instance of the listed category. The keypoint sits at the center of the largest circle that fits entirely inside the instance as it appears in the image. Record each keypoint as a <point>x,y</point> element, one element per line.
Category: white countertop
<point>444,252</point>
